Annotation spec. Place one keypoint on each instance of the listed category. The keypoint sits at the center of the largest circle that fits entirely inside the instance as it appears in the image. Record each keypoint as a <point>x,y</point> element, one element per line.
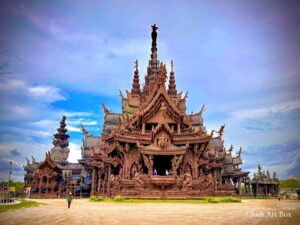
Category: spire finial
<point>240,151</point>
<point>153,61</point>
<point>172,85</point>
<point>136,81</point>
<point>154,33</point>
<point>105,110</point>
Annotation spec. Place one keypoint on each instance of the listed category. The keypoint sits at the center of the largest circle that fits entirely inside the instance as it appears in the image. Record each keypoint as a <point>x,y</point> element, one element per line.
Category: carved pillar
<point>94,177</point>
<point>266,189</point>
<point>220,178</point>
<point>40,183</point>
<point>47,184</point>
<point>178,128</point>
<point>108,192</point>
<point>149,163</point>
<point>143,128</point>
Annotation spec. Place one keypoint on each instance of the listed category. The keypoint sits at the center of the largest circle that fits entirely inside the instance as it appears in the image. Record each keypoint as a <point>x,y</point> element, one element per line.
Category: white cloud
<point>78,114</point>
<point>49,124</point>
<point>75,152</point>
<point>26,132</point>
<point>47,93</point>
<point>282,107</point>
<point>43,93</point>
<point>73,129</point>
<point>83,121</point>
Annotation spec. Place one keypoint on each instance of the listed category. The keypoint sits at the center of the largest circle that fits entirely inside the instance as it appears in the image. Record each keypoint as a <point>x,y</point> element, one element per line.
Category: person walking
<point>69,199</point>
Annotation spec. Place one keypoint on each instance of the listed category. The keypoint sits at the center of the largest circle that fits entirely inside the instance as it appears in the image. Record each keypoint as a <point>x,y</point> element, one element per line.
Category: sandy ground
<point>84,212</point>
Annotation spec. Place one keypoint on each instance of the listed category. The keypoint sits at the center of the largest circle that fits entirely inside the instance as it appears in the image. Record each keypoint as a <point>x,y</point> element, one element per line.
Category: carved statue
<point>100,182</point>
<point>149,163</point>
<point>175,164</point>
<point>221,131</point>
<point>187,182</point>
<point>116,183</point>
<point>152,133</point>
<point>127,148</point>
<point>139,181</point>
<point>172,131</point>
<point>163,141</point>
<point>210,182</point>
<point>163,109</point>
<point>202,181</point>
<point>154,33</point>
<point>133,170</point>
<point>195,149</point>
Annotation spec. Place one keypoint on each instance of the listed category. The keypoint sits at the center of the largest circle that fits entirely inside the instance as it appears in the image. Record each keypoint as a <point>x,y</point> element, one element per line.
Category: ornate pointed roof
<point>172,85</point>
<point>61,137</point>
<point>47,162</point>
<point>136,83</point>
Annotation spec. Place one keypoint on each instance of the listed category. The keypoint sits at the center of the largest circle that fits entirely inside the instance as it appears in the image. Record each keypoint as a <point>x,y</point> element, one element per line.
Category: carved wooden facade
<point>155,149</point>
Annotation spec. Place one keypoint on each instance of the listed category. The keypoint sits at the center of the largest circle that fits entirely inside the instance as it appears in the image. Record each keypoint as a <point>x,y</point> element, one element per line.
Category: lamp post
<point>10,172</point>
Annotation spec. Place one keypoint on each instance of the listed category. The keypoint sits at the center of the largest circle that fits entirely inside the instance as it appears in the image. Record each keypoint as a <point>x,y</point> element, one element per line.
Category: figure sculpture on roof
<point>154,32</point>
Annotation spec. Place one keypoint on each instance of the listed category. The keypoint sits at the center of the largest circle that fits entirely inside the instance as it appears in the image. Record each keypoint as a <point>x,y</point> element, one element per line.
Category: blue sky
<point>239,58</point>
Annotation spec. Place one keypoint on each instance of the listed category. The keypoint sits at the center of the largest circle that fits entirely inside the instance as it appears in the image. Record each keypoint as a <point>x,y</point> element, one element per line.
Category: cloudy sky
<point>239,58</point>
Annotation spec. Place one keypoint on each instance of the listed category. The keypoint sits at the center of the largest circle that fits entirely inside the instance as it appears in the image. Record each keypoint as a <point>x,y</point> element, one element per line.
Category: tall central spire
<point>154,62</point>
<point>153,66</point>
<point>154,43</point>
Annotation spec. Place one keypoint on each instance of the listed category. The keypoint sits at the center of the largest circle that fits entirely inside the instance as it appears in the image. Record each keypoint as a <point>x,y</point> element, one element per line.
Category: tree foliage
<point>19,185</point>
<point>290,183</point>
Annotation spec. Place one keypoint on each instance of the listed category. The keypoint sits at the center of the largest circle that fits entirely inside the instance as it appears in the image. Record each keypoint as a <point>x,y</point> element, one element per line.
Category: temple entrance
<point>162,163</point>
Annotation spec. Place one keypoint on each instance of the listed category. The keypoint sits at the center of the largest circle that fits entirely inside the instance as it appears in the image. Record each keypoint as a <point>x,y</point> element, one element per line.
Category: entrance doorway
<point>162,163</point>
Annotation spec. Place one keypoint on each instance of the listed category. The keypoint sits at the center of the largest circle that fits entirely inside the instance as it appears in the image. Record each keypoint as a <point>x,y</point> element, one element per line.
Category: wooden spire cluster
<point>172,85</point>
<point>61,137</point>
<point>136,82</point>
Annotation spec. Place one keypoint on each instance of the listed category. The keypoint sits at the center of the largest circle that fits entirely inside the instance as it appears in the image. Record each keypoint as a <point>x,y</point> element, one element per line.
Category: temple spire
<point>172,85</point>
<point>61,137</point>
<point>154,63</point>
<point>136,83</point>
<point>154,43</point>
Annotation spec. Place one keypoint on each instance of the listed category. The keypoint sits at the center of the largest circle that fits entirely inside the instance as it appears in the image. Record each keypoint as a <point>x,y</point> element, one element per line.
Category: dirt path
<point>84,212</point>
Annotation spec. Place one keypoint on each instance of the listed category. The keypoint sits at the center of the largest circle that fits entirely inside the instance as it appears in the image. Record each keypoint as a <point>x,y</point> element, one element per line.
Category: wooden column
<point>257,191</point>
<point>93,180</point>
<point>40,183</point>
<point>220,178</point>
<point>47,184</point>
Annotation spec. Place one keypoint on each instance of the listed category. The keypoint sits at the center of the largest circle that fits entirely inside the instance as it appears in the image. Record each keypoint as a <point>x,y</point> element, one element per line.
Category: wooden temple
<point>154,149</point>
<point>54,176</point>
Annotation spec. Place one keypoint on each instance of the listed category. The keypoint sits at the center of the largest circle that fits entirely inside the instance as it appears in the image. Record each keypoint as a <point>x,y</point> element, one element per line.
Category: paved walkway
<point>84,212</point>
